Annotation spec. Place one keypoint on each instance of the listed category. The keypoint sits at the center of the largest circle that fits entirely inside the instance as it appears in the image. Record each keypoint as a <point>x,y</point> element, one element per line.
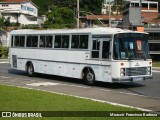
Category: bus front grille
<point>136,71</point>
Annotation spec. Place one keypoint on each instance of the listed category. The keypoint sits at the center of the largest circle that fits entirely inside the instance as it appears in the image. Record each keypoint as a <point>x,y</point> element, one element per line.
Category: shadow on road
<point>79,81</point>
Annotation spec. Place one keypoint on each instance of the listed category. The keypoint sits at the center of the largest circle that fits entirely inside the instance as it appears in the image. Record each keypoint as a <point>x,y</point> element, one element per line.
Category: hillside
<point>42,4</point>
<point>86,5</point>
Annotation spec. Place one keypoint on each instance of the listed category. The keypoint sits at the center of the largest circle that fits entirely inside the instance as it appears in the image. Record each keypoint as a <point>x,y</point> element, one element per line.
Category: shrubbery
<point>4,52</point>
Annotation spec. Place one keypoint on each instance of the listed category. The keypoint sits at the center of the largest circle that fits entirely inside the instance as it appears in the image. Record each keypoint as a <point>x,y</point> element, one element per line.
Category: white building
<point>19,11</point>
<point>108,6</point>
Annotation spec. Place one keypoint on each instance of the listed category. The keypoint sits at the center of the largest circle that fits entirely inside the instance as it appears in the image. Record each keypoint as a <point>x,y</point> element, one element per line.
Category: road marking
<point>3,62</point>
<point>6,77</point>
<point>43,84</point>
<point>155,71</point>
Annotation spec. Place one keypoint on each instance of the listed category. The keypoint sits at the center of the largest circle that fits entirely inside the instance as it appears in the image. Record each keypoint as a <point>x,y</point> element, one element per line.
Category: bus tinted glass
<point>130,46</point>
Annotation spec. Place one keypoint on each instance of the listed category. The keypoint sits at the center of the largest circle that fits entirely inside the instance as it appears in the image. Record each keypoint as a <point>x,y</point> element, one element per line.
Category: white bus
<point>92,54</point>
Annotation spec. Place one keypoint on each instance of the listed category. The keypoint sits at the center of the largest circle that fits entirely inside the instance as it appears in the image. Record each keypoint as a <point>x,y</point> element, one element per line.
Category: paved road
<point>141,94</point>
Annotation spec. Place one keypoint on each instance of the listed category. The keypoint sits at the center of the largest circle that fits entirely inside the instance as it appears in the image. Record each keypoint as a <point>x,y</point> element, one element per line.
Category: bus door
<point>101,52</point>
<point>101,48</point>
<point>106,59</point>
<point>105,52</point>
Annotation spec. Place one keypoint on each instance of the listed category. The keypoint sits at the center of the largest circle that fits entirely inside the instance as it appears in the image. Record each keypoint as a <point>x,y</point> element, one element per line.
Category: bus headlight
<point>122,71</point>
<point>122,74</point>
<point>149,70</point>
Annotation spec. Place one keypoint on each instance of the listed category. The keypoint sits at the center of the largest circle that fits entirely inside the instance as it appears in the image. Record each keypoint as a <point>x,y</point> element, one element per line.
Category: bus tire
<point>30,70</point>
<point>89,77</point>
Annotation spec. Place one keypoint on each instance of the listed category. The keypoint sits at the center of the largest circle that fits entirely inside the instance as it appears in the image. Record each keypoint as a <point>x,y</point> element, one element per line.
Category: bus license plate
<point>137,78</point>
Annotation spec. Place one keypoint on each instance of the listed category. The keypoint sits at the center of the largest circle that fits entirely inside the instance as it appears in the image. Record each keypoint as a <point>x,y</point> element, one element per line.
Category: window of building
<point>154,46</point>
<point>153,5</point>
<point>145,5</point>
<point>32,41</point>
<point>5,5</point>
<point>154,36</point>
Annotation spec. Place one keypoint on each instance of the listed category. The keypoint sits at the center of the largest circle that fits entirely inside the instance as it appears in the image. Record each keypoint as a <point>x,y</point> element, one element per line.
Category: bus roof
<point>99,30</point>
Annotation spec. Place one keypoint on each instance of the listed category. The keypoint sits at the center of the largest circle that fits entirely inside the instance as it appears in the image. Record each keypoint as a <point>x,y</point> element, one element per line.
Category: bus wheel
<point>89,77</point>
<point>30,70</point>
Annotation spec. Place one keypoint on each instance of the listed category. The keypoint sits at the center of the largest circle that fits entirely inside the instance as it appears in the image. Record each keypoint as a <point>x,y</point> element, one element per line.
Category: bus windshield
<point>130,46</point>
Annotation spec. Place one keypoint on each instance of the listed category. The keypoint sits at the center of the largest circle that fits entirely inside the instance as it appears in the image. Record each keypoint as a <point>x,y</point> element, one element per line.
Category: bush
<point>4,52</point>
<point>32,26</point>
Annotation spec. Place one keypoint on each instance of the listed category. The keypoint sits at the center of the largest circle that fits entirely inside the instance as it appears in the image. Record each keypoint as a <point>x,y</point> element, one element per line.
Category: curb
<point>156,68</point>
<point>4,61</point>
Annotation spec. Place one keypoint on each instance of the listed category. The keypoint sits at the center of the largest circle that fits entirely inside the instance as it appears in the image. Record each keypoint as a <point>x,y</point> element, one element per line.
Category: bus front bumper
<point>131,79</point>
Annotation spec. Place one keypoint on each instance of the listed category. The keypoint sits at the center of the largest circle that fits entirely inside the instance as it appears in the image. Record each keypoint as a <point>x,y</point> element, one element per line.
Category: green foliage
<point>93,6</point>
<point>1,22</point>
<point>60,13</point>
<point>60,17</point>
<point>31,26</point>
<point>3,52</point>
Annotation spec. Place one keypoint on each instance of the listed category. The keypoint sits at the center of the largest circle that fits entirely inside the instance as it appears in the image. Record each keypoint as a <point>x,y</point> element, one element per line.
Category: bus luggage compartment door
<point>14,61</point>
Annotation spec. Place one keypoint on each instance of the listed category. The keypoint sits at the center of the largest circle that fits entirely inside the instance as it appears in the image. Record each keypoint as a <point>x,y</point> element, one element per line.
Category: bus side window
<point>80,41</point>
<point>42,41</point>
<point>83,42</point>
<point>19,41</point>
<point>75,41</point>
<point>49,41</point>
<point>65,41</point>
<point>95,48</point>
<point>12,41</point>
<point>34,41</point>
<point>106,49</point>
<point>57,41</point>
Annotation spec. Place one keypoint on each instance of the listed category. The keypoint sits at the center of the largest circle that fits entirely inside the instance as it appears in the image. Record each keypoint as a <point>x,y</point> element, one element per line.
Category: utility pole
<point>140,5</point>
<point>77,14</point>
<point>109,13</point>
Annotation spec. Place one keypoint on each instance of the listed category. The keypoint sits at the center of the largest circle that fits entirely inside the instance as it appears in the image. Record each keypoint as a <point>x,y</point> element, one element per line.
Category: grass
<point>20,99</point>
<point>156,64</point>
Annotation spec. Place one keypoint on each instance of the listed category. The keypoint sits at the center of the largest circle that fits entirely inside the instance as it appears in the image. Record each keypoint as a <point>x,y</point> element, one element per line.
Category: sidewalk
<point>4,60</point>
<point>156,68</point>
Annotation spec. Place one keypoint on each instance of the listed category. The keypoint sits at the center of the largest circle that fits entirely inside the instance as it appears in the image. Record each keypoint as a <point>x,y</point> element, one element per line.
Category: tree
<point>93,6</point>
<point>60,17</point>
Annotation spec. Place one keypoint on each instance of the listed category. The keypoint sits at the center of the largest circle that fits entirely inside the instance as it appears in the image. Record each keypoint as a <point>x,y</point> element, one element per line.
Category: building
<point>100,20</point>
<point>19,11</point>
<point>4,35</point>
<point>154,42</point>
<point>144,14</point>
<point>136,13</point>
<point>108,6</point>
